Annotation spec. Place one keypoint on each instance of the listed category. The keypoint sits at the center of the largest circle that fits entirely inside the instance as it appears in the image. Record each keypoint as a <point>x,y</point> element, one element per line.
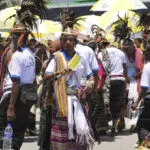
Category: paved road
<point>124,141</point>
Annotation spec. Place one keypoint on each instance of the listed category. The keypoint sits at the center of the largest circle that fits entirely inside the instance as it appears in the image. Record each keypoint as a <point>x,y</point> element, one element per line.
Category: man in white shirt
<point>143,124</point>
<point>117,84</point>
<point>70,83</point>
<point>88,54</point>
<point>21,70</point>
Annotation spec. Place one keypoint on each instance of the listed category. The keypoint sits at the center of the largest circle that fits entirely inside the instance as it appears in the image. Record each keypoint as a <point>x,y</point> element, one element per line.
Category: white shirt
<point>73,79</point>
<point>145,79</point>
<point>117,59</point>
<point>22,66</point>
<point>88,54</point>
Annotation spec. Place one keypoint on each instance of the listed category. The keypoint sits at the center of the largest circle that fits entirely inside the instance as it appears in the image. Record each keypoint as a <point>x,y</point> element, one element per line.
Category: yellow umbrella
<point>87,22</point>
<point>4,14</point>
<point>109,17</point>
<point>46,27</point>
<point>106,5</point>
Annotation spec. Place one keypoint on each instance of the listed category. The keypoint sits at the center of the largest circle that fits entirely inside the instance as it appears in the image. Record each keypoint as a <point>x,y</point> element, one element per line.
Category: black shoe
<point>121,126</point>
<point>32,133</point>
<point>113,131</point>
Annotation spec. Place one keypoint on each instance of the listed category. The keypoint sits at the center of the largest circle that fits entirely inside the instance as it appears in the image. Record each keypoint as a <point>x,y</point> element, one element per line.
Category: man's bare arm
<point>13,99</point>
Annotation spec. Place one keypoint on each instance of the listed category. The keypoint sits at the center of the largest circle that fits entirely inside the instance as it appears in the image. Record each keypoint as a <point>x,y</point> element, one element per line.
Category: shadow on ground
<point>109,138</point>
<point>30,139</point>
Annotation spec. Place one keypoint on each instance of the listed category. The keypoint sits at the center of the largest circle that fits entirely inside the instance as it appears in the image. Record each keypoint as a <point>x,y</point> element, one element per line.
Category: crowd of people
<point>79,83</point>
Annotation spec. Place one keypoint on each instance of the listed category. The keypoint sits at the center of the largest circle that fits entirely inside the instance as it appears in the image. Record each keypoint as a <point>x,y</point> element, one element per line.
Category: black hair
<point>74,36</point>
<point>128,42</point>
<point>139,39</point>
<point>92,45</point>
<point>32,40</point>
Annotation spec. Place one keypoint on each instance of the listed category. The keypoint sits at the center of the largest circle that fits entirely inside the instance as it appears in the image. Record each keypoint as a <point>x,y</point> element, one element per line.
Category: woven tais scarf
<point>60,87</point>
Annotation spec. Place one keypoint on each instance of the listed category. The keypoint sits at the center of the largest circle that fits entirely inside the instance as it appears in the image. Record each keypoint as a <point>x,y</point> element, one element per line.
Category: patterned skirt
<point>3,118</point>
<point>106,97</point>
<point>59,135</point>
<point>97,114</point>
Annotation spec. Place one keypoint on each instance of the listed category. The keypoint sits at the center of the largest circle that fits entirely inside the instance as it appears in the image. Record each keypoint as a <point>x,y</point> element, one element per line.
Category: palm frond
<point>28,14</point>
<point>121,29</point>
<point>10,17</point>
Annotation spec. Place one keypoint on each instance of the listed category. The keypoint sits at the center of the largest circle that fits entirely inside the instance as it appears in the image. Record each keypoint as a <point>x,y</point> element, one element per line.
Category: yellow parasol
<point>107,5</point>
<point>87,22</point>
<point>46,27</point>
<point>4,14</point>
<point>109,17</point>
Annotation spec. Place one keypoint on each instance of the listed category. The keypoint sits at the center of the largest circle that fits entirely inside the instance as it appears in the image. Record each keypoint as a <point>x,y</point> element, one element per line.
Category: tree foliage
<point>3,4</point>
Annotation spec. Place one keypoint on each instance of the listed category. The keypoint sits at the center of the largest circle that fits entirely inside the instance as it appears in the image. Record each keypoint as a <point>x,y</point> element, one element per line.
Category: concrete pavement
<point>123,141</point>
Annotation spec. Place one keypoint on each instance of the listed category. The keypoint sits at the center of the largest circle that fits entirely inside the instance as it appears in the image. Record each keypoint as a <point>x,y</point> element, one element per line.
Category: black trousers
<point>117,97</point>
<point>45,128</point>
<point>143,124</point>
<point>19,124</point>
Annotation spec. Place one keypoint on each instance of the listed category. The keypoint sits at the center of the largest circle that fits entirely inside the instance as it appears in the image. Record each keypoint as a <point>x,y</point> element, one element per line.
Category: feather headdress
<point>28,14</point>
<point>145,23</point>
<point>121,29</point>
<point>69,19</point>
<point>97,32</point>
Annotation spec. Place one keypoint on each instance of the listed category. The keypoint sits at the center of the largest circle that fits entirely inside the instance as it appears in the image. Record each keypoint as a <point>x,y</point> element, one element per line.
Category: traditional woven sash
<point>60,87</point>
<point>3,68</point>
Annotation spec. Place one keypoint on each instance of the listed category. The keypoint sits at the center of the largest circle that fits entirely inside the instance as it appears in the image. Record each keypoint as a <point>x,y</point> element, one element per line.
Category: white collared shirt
<point>88,54</point>
<point>145,79</point>
<point>22,66</point>
<point>73,79</point>
<point>117,59</point>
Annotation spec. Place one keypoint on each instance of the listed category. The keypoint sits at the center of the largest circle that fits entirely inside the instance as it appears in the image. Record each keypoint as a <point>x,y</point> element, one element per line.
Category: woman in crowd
<point>134,67</point>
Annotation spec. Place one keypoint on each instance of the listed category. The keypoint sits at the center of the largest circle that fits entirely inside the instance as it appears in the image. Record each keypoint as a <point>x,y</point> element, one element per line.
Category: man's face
<point>137,43</point>
<point>68,42</point>
<point>13,44</point>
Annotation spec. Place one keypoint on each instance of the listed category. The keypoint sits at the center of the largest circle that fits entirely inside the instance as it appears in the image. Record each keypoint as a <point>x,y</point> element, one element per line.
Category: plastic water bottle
<point>7,137</point>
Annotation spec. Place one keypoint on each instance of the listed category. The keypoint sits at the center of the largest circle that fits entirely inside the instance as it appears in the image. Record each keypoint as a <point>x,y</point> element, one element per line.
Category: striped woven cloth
<point>59,135</point>
<point>3,118</point>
